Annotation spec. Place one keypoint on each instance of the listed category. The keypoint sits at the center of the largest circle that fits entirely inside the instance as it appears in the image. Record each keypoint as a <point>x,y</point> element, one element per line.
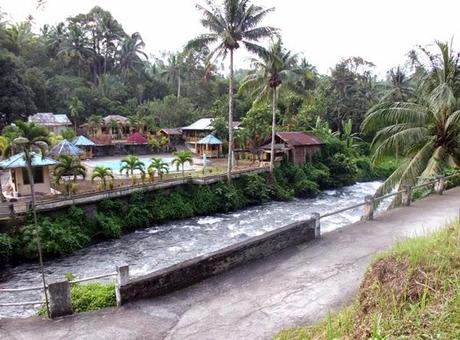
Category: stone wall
<point>197,269</point>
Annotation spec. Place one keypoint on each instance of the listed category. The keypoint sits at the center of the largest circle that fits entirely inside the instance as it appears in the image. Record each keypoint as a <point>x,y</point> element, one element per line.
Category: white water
<point>162,245</point>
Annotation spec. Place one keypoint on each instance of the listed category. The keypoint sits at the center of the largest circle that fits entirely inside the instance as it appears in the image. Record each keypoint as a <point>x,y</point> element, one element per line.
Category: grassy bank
<point>410,292</point>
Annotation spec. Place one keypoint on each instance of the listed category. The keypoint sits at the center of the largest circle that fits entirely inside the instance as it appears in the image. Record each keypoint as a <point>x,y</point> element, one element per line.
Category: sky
<point>324,31</point>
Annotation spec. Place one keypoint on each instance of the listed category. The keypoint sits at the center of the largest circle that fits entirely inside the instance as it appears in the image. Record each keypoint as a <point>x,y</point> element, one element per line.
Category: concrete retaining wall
<point>197,269</point>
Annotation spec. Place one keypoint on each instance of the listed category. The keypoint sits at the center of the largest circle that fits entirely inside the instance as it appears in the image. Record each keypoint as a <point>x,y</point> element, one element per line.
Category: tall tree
<point>173,71</point>
<point>426,131</point>
<point>274,66</point>
<point>229,24</point>
<point>75,108</point>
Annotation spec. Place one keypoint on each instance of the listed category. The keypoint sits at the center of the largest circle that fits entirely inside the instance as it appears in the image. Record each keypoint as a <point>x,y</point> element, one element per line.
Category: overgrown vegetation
<point>65,232</point>
<point>410,292</point>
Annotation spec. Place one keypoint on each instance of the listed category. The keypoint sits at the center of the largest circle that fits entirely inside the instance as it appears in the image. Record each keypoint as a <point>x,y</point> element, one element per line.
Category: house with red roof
<point>299,147</point>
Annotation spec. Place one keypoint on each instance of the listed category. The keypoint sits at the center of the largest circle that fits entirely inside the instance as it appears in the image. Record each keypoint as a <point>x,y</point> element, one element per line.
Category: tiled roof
<point>299,138</point>
<point>50,119</point>
<point>83,141</point>
<point>210,140</point>
<point>172,131</point>
<point>65,148</point>
<point>17,161</point>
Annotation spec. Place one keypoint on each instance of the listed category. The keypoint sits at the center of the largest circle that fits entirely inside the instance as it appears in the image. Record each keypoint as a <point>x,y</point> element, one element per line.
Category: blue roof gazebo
<point>19,179</point>
<point>65,148</point>
<point>210,146</point>
<point>83,141</point>
<point>86,144</point>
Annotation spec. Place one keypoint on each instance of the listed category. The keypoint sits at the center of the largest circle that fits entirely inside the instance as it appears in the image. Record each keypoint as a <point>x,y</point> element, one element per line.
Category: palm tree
<point>274,66</point>
<point>172,72</point>
<point>159,166</point>
<point>4,145</point>
<point>102,172</point>
<point>94,123</point>
<point>75,47</point>
<point>182,157</point>
<point>426,130</point>
<point>68,166</point>
<point>230,24</point>
<point>31,139</point>
<point>129,55</point>
<point>130,164</point>
<point>76,108</point>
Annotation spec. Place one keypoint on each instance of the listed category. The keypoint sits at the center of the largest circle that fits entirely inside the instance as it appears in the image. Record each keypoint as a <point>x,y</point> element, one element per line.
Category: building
<point>209,146</point>
<point>85,144</point>
<point>195,132</point>
<point>299,147</point>
<point>54,122</point>
<point>18,184</point>
<point>174,135</point>
<point>111,127</point>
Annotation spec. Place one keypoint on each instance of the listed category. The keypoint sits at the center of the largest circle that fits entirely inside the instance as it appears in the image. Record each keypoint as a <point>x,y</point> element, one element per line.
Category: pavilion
<point>210,146</point>
<point>85,144</point>
<point>65,148</point>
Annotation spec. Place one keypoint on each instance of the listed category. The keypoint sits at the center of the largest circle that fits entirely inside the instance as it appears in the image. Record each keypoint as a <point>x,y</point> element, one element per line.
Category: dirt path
<point>294,287</point>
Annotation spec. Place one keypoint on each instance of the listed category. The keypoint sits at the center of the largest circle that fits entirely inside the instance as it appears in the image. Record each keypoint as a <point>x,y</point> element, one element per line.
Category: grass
<point>409,292</point>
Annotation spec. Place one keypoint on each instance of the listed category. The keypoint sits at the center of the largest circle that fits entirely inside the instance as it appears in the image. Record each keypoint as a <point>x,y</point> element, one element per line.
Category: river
<point>165,244</point>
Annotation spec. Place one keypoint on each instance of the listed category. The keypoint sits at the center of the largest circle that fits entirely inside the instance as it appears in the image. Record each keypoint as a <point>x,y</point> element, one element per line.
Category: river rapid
<point>165,244</point>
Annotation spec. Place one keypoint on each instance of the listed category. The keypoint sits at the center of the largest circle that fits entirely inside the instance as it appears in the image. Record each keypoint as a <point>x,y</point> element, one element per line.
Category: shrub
<point>306,188</point>
<point>5,249</point>
<point>255,188</point>
<point>107,226</point>
<point>92,296</point>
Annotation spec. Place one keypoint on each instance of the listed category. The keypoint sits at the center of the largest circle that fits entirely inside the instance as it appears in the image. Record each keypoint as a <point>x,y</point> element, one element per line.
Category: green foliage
<point>6,248</point>
<point>255,188</point>
<point>68,134</point>
<point>92,296</point>
<point>371,172</point>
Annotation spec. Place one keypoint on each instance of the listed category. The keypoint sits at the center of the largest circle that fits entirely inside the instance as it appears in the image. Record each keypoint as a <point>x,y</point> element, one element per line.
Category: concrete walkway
<point>294,287</point>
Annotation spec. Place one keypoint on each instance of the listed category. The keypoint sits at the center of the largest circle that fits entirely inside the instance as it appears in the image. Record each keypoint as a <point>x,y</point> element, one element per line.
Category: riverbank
<point>412,291</point>
<point>168,243</point>
<point>64,232</point>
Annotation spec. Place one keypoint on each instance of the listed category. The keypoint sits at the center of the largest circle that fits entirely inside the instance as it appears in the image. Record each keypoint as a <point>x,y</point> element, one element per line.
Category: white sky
<point>324,31</point>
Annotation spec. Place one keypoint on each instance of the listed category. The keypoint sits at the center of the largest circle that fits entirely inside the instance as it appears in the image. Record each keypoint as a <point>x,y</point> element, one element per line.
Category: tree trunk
<point>178,85</point>
<point>230,120</point>
<point>2,197</point>
<point>37,233</point>
<point>272,147</point>
<point>183,171</point>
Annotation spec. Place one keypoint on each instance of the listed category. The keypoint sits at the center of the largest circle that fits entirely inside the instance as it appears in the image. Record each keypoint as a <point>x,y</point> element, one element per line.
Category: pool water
<point>115,163</point>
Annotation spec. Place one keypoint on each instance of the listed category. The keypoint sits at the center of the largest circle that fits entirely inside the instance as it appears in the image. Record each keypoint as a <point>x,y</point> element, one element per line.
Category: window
<point>37,174</point>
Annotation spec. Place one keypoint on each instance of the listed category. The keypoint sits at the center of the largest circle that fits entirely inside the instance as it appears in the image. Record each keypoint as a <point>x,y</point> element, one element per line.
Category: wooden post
<point>122,279</point>
<point>368,213</point>
<point>439,186</point>
<point>407,195</point>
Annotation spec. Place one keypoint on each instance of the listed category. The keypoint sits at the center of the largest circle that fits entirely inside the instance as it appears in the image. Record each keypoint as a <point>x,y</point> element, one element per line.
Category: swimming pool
<point>114,163</point>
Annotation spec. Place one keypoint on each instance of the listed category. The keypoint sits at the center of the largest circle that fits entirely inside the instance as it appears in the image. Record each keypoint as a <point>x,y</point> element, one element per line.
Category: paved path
<point>294,287</point>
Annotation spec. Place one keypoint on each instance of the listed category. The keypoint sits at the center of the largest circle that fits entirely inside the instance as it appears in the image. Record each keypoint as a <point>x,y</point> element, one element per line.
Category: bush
<point>369,172</point>
<point>92,296</point>
<point>306,188</point>
<point>6,248</point>
<point>255,189</point>
<point>107,226</point>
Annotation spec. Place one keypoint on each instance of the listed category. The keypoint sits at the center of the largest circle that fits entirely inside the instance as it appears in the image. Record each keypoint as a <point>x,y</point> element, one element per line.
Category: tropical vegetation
<point>182,158</point>
<point>102,173</point>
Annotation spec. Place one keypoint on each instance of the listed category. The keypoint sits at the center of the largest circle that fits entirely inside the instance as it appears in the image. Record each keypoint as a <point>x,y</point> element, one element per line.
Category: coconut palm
<point>182,157</point>
<point>273,66</point>
<point>76,108</point>
<point>426,131</point>
<point>230,24</point>
<point>131,164</point>
<point>159,166</point>
<point>94,123</point>
<point>31,139</point>
<point>103,173</point>
<point>68,167</point>
<point>129,55</point>
<point>173,71</point>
